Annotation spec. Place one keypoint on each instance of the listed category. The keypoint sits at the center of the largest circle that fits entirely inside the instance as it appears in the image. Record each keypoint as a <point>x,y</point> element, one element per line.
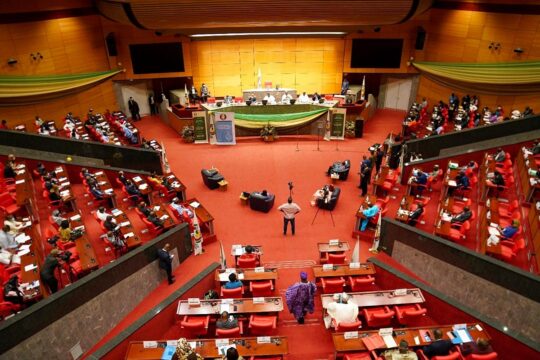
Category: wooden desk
<point>106,187</point>
<point>66,192</point>
<point>406,204</point>
<point>450,175</point>
<point>408,334</point>
<point>279,345</point>
<point>327,248</point>
<point>120,217</point>
<point>162,210</point>
<point>492,206</point>
<point>381,177</point>
<point>523,167</point>
<point>364,203</point>
<point>177,186</point>
<point>206,220</point>
<point>236,252</point>
<point>248,275</point>
<point>23,185</point>
<point>143,187</point>
<point>239,306</point>
<point>379,298</point>
<point>343,270</point>
<point>442,228</point>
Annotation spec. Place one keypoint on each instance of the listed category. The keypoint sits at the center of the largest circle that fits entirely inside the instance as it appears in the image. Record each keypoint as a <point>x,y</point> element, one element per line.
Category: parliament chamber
<point>270,180</point>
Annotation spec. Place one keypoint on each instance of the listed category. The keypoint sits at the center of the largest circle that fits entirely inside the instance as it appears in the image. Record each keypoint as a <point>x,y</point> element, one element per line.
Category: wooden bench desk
<point>273,304</point>
<point>343,270</point>
<point>379,298</point>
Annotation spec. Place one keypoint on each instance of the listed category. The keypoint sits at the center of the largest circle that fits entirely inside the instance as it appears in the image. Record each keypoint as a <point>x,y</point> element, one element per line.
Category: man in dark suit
<point>415,215</point>
<point>438,347</point>
<point>463,216</point>
<point>165,262</point>
<point>134,109</point>
<point>145,210</point>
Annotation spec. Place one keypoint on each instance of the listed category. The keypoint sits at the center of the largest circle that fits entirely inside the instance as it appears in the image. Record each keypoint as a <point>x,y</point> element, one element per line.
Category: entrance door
<point>139,90</point>
<point>398,94</point>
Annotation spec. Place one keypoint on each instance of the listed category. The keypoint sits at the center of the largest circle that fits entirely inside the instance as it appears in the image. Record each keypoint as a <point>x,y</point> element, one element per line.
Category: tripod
<point>317,213</point>
<point>319,127</point>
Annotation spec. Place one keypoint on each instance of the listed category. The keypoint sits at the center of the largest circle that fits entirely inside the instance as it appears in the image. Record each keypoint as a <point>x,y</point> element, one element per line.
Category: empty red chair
<point>459,234</point>
<point>361,283</point>
<point>8,203</point>
<point>246,262</point>
<point>490,356</point>
<point>334,258</point>
<point>348,326</point>
<point>196,325</point>
<point>7,308</point>
<point>409,315</point>
<point>358,356</point>
<point>332,286</point>
<point>261,288</point>
<point>507,209</point>
<point>379,316</point>
<point>452,356</point>
<point>232,293</point>
<point>155,230</point>
<point>166,193</point>
<point>262,324</point>
<point>509,248</point>
<point>230,333</point>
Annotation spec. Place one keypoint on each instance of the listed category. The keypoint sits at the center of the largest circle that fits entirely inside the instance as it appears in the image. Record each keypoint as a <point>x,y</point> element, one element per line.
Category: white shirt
<point>7,241</point>
<point>14,226</point>
<point>286,98</point>
<point>341,313</point>
<point>303,99</point>
<point>102,215</point>
<point>270,98</point>
<point>289,210</point>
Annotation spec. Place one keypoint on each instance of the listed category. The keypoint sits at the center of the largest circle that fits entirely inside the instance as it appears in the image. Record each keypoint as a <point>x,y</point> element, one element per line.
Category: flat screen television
<point>376,53</point>
<point>157,58</point>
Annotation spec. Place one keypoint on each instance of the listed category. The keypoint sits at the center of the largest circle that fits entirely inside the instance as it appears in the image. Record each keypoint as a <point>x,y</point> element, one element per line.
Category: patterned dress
<point>300,298</point>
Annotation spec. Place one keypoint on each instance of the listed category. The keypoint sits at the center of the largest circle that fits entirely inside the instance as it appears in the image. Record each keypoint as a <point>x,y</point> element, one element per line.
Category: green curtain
<point>515,78</point>
<point>22,90</point>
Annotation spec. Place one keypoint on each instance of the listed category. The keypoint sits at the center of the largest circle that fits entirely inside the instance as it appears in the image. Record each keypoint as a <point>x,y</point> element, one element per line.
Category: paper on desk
<point>224,307</point>
<point>195,204</point>
<point>137,178</point>
<point>62,179</point>
<point>21,181</point>
<point>101,183</point>
<point>116,212</point>
<point>389,341</point>
<point>143,186</point>
<point>30,267</point>
<point>99,173</point>
<point>156,208</point>
<point>24,247</point>
<point>164,217</point>
<point>23,252</point>
<point>452,183</point>
<point>493,230</point>
<point>241,276</point>
<point>22,238</point>
<point>239,251</point>
<point>222,350</point>
<point>464,335</point>
<point>125,223</point>
<point>75,217</point>
<point>150,344</point>
<point>128,235</point>
<point>109,191</point>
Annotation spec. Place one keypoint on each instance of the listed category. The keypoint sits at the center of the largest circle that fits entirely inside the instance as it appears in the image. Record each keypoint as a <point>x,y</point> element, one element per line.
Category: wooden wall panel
<point>305,64</point>
<point>69,46</point>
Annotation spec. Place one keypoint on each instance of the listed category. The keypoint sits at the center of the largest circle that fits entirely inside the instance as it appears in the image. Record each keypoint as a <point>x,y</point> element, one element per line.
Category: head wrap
<point>303,275</point>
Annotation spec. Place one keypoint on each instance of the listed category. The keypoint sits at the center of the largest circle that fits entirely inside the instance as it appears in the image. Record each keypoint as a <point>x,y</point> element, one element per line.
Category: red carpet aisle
<point>253,165</point>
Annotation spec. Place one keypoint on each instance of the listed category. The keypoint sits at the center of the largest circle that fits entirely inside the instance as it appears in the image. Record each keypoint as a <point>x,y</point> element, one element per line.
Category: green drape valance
<point>514,78</point>
<point>20,90</point>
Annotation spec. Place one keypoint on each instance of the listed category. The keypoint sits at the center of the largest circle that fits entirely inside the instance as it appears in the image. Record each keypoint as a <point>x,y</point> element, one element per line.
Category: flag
<point>197,236</point>
<point>222,258</point>
<point>186,94</point>
<point>356,251</point>
<point>259,79</point>
<point>375,246</point>
<point>164,160</point>
<point>363,90</point>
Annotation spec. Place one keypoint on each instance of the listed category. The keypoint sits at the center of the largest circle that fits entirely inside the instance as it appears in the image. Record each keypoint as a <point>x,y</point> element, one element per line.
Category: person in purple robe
<point>300,298</point>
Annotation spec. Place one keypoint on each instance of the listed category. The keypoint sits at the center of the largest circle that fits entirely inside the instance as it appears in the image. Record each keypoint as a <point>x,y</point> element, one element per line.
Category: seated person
<point>152,217</point>
<point>497,179</point>
<point>341,310</point>
<point>415,215</point>
<point>110,224</point>
<point>115,239</point>
<point>102,214</point>
<point>226,322</point>
<point>368,213</point>
<point>12,291</point>
<point>7,240</point>
<point>511,230</point>
<point>270,99</point>
<point>500,155</point>
<point>41,169</point>
<point>123,179</point>
<point>183,211</point>
<point>420,179</point>
<point>233,282</point>
<point>154,180</point>
<point>132,189</point>
<point>252,98</point>
<point>54,193</point>
<point>324,194</point>
<point>286,98</point>
<point>463,216</point>
<point>462,182</point>
<point>438,347</point>
<point>9,172</point>
<point>96,191</point>
<point>169,186</point>
<point>48,182</point>
<point>336,167</point>
<point>303,99</point>
<point>57,217</point>
<point>401,353</point>
<point>87,174</point>
<point>250,253</point>
<point>435,172</point>
<point>14,225</point>
<point>316,97</point>
<point>65,231</point>
<point>143,208</point>
<point>480,347</point>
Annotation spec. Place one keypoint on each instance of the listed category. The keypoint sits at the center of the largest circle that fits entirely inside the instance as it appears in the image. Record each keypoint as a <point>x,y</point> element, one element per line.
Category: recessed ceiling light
<point>293,33</point>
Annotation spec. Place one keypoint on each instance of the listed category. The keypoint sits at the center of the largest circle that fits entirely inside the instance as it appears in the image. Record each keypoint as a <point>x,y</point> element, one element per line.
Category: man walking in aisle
<point>134,109</point>
<point>289,210</point>
<point>165,262</point>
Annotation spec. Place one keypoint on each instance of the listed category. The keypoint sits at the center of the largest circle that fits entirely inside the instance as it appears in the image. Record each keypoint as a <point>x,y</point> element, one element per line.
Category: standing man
<point>165,261</point>
<point>48,268</point>
<point>134,109</point>
<point>289,211</point>
<point>344,86</point>
<point>365,176</point>
<point>379,158</point>
<point>204,93</point>
<point>152,104</point>
<point>301,297</point>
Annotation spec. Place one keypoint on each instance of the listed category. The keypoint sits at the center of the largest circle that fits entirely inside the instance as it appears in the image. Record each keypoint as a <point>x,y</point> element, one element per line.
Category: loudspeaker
<point>420,38</point>
<point>111,45</point>
<point>358,128</point>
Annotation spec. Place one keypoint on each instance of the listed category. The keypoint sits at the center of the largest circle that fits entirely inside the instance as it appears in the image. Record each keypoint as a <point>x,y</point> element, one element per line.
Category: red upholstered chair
<point>196,326</point>
<point>361,283</point>
<point>166,193</point>
<point>459,234</point>
<point>509,248</point>
<point>261,288</point>
<point>211,100</point>
<point>379,316</point>
<point>332,286</point>
<point>155,230</point>
<point>7,308</point>
<point>452,356</point>
<point>506,220</point>
<point>409,315</point>
<point>334,258</point>
<point>357,356</point>
<point>71,247</point>
<point>507,209</point>
<point>490,356</point>
<point>324,259</point>
<point>232,293</point>
<point>246,262</point>
<point>348,326</point>
<point>262,324</point>
<point>8,203</point>
<point>279,357</point>
<point>230,333</point>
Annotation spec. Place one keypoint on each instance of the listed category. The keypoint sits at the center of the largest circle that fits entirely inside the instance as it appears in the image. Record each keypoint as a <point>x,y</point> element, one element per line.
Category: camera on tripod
<point>291,185</point>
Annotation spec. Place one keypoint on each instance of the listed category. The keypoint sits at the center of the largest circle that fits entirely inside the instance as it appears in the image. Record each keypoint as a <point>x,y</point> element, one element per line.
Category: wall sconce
<point>36,56</point>
<point>494,46</point>
<point>12,61</point>
<point>519,51</point>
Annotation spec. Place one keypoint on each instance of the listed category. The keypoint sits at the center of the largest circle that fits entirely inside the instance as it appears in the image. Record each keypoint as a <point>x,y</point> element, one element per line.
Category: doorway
<point>398,93</point>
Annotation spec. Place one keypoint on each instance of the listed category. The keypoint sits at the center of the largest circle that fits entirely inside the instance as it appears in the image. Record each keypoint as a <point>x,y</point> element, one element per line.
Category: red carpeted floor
<point>253,165</point>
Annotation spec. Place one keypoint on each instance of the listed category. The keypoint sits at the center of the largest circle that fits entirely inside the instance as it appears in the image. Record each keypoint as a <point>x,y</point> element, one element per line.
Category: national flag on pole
<point>222,257</point>
<point>375,246</point>
<point>164,160</point>
<point>363,90</point>
<point>259,79</point>
<point>356,251</point>
<point>186,94</point>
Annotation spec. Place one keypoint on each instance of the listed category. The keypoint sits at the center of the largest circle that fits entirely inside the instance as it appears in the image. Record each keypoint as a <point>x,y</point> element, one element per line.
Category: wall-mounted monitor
<point>376,53</point>
<point>157,58</point>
